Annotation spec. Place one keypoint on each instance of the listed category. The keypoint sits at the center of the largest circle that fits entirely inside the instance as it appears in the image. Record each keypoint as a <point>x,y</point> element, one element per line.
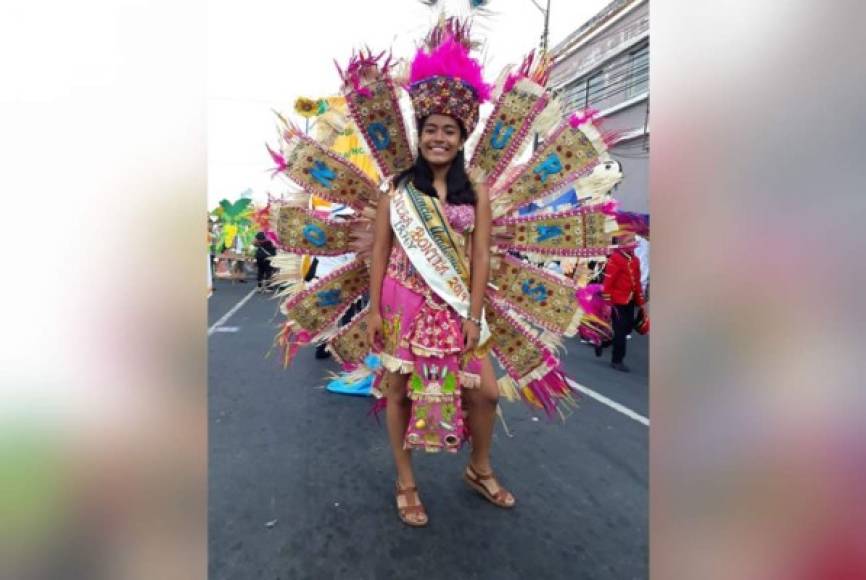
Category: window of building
<point>638,78</point>
<point>594,86</point>
<point>572,95</point>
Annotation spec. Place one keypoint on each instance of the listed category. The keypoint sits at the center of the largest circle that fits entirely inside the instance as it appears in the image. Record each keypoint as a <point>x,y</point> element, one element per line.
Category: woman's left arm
<point>480,266</point>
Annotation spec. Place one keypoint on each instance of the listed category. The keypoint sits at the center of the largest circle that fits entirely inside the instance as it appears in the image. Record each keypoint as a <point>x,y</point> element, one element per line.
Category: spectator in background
<point>622,290</point>
<point>642,252</point>
<point>265,250</point>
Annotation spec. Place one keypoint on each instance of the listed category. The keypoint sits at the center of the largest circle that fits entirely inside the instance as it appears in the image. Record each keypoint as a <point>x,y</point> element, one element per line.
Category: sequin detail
<point>461,217</point>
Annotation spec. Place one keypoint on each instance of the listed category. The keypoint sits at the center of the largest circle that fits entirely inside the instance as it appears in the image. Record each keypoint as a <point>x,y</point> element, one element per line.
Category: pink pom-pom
<point>609,207</point>
<point>578,119</point>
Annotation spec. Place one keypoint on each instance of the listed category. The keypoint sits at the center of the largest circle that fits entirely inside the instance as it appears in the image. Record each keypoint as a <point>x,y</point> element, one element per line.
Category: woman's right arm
<point>382,240</point>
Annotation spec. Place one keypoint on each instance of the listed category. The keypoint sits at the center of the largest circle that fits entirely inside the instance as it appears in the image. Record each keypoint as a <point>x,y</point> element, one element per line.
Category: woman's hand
<point>374,331</point>
<point>471,334</point>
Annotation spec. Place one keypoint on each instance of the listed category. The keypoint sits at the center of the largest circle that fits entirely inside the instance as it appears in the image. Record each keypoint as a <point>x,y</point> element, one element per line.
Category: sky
<point>263,54</point>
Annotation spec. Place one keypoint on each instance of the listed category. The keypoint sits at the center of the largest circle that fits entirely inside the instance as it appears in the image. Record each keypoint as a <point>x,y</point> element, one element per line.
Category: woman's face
<point>440,139</point>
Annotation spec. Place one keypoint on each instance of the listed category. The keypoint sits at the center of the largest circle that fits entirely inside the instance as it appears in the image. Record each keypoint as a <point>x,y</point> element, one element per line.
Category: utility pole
<point>546,29</point>
<point>544,36</point>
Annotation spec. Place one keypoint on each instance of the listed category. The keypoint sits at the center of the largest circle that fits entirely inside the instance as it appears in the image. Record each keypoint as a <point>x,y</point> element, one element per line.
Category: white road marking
<point>228,329</point>
<point>610,403</point>
<point>229,314</point>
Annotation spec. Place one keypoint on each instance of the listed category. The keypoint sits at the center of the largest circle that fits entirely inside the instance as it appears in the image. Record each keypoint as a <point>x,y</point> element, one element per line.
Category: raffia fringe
<point>572,327</point>
<point>432,352</point>
<point>529,86</point>
<point>502,418</point>
<point>549,117</point>
<point>539,372</point>
<point>499,85</point>
<point>355,376</point>
<point>396,365</point>
<point>552,341</point>
<point>597,140</point>
<point>288,277</point>
<point>508,388</point>
<point>333,352</point>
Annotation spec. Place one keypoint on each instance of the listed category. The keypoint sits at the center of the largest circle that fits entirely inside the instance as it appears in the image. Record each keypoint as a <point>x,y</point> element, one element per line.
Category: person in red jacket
<point>622,290</point>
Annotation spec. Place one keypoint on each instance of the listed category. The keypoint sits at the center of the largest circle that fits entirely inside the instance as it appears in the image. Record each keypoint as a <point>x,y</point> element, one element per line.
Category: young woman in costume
<point>437,237</point>
<point>399,293</point>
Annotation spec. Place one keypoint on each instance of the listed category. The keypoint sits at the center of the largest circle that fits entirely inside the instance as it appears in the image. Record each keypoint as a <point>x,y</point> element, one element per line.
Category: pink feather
<point>450,59</point>
<point>539,74</point>
<point>278,159</point>
<point>578,119</point>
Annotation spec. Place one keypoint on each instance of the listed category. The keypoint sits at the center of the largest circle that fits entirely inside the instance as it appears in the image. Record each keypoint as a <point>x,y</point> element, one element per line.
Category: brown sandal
<point>475,481</point>
<point>405,511</point>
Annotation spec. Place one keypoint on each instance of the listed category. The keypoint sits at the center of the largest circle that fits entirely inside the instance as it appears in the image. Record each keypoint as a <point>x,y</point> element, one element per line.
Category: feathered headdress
<point>444,79</point>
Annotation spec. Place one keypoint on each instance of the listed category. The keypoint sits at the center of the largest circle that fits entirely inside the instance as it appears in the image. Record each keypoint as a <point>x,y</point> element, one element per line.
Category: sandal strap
<point>477,474</point>
<point>412,509</point>
<point>501,494</point>
<point>406,490</point>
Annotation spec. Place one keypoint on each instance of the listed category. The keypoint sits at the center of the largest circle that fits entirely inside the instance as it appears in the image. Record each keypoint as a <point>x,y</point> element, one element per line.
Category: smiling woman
<point>441,140</point>
<point>437,238</point>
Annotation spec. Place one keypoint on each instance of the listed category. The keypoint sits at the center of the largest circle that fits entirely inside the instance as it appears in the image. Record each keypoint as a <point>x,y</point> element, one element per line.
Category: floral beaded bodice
<point>461,217</point>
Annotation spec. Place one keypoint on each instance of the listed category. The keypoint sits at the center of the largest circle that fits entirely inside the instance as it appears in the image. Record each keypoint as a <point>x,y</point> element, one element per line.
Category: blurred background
<point>758,450</point>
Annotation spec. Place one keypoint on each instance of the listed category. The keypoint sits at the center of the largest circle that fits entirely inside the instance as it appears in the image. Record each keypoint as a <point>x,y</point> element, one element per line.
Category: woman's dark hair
<point>460,190</point>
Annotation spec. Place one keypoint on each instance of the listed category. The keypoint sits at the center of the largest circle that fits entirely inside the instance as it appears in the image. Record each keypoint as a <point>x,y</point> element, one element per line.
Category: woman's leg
<point>481,415</point>
<point>480,405</point>
<point>397,418</point>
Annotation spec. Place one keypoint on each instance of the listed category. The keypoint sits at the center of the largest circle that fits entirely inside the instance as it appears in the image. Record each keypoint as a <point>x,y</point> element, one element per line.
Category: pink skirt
<point>418,326</point>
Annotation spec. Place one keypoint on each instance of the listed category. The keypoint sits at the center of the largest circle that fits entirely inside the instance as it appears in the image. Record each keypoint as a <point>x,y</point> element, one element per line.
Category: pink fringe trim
<point>550,389</point>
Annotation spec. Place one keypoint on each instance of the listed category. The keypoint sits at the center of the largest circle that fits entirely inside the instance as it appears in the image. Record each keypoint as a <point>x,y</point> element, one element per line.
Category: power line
<point>627,83</point>
<point>614,69</point>
<point>614,65</point>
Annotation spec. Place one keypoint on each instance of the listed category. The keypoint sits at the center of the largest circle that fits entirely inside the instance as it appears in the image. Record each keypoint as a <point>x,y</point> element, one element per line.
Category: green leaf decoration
<point>450,384</point>
<point>448,411</point>
<point>416,383</point>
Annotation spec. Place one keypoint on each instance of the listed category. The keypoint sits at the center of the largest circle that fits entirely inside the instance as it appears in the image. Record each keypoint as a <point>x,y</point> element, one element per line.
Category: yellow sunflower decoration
<point>306,108</point>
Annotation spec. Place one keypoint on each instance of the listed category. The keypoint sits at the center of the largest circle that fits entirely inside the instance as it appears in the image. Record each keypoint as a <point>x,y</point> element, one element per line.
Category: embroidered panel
<point>302,232</point>
<point>317,307</point>
<point>350,344</point>
<point>567,154</point>
<point>544,299</point>
<point>507,128</point>
<point>376,111</point>
<point>576,233</point>
<point>517,351</point>
<point>328,175</point>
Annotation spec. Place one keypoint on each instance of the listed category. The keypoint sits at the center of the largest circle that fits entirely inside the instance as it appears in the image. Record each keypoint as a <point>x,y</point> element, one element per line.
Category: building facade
<point>604,65</point>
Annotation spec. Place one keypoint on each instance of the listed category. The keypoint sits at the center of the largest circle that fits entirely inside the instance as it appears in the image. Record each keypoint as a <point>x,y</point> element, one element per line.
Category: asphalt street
<point>301,480</point>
